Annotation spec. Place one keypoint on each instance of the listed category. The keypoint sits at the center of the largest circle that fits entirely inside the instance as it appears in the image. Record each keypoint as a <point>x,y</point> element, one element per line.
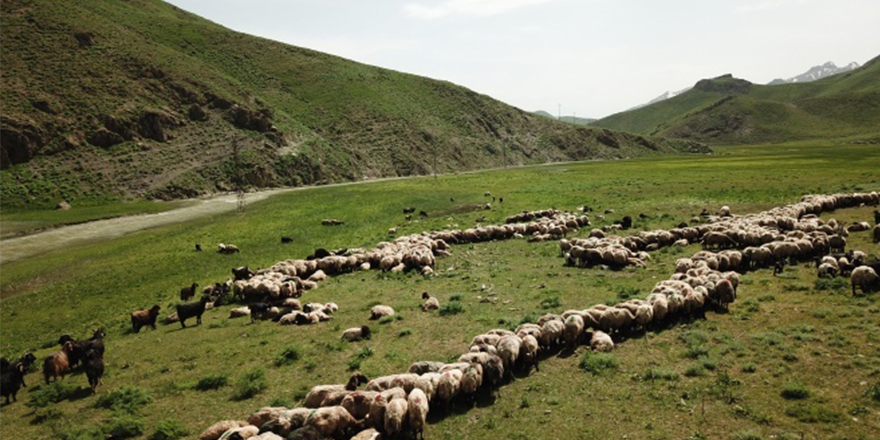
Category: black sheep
<point>286,239</point>
<point>94,369</point>
<point>260,310</point>
<point>242,273</point>
<point>186,311</point>
<point>11,380</point>
<point>626,223</point>
<point>423,214</point>
<point>779,267</point>
<point>198,247</point>
<point>409,210</point>
<point>143,318</point>
<point>188,292</point>
<point>682,225</point>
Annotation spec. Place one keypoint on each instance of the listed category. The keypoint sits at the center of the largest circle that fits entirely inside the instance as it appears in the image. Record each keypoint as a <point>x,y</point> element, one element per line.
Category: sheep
<point>356,333</point>
<point>58,363</point>
<point>242,273</point>
<point>876,233</point>
<point>358,403</point>
<point>11,380</point>
<point>471,380</point>
<point>368,434</point>
<point>333,421</point>
<point>145,317</point>
<point>216,430</point>
<point>448,386</point>
<point>380,312</point>
<point>508,351</point>
<point>186,311</point>
<point>573,331</point>
<point>530,353</point>
<point>423,367</point>
<point>395,417</point>
<point>258,310</point>
<point>417,412</point>
<point>227,249</point>
<point>266,414</point>
<point>431,303</point>
<point>94,369</point>
<point>188,292</point>
<point>865,278</point>
<point>601,341</point>
<point>318,276</point>
<point>550,333</point>
<point>318,393</point>
<point>827,270</point>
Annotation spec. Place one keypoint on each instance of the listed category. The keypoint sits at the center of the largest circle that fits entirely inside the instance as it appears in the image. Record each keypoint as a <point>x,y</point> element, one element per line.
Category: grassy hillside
<point>104,99</point>
<point>727,110</point>
<point>718,378</point>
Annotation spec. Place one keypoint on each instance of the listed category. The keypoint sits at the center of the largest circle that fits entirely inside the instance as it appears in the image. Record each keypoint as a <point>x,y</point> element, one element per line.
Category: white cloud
<point>467,7</point>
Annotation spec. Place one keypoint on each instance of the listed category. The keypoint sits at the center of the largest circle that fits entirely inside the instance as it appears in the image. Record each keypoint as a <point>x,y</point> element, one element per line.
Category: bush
<point>795,391</point>
<point>831,284</point>
<point>168,430</point>
<point>287,356</point>
<point>746,435</point>
<point>625,293</point>
<point>451,308</point>
<point>874,393</point>
<point>813,414</point>
<point>54,392</point>
<point>749,368</point>
<point>596,363</point>
<point>550,303</point>
<point>251,383</point>
<point>355,363</point>
<point>122,425</point>
<point>660,374</point>
<point>695,370</point>
<point>456,297</point>
<point>126,398</point>
<point>404,332</point>
<point>212,382</point>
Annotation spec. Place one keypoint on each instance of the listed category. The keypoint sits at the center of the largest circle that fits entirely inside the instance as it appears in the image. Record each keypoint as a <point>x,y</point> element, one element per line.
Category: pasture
<point>792,359</point>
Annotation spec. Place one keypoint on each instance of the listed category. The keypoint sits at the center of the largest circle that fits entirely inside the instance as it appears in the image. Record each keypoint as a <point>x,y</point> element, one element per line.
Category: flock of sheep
<point>398,404</point>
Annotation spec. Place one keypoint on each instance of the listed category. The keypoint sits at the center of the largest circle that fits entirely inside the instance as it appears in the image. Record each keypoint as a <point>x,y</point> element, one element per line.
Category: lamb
<point>186,311</point>
<point>865,278</point>
<point>318,393</point>
<point>431,303</point>
<point>188,292</point>
<point>227,249</point>
<point>601,341</point>
<point>58,363</point>
<point>145,317</point>
<point>573,332</point>
<point>356,333</point>
<point>417,412</point>
<point>380,312</point>
<point>94,369</point>
<point>395,417</point>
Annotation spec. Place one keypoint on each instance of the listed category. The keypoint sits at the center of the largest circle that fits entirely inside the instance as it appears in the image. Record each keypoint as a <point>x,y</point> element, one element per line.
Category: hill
<point>731,110</point>
<point>816,72</point>
<point>108,99</point>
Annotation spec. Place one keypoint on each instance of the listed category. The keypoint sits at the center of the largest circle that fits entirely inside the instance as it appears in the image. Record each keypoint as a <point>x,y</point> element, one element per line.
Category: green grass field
<point>792,359</point>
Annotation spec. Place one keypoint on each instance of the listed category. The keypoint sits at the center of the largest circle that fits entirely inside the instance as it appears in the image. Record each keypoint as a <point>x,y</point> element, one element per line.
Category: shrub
<point>660,374</point>
<point>212,382</point>
<point>52,393</point>
<point>749,368</point>
<point>287,356</point>
<point>168,429</point>
<point>251,383</point>
<point>404,332</point>
<point>123,425</point>
<point>795,391</point>
<point>451,308</point>
<point>695,370</point>
<point>628,292</point>
<point>596,363</point>
<point>813,414</point>
<point>355,363</point>
<point>456,297</point>
<point>746,435</point>
<point>874,393</point>
<point>831,284</point>
<point>550,302</point>
<point>126,399</point>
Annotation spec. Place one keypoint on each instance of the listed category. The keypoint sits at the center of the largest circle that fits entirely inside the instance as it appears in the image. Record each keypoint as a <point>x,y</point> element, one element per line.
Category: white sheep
<point>356,333</point>
<point>573,331</point>
<point>864,278</point>
<point>381,311</point>
<point>395,417</point>
<point>417,407</point>
<point>431,302</point>
<point>601,341</point>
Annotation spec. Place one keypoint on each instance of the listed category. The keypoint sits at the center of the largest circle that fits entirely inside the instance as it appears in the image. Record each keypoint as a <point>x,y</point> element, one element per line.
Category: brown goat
<point>57,364</point>
<point>144,317</point>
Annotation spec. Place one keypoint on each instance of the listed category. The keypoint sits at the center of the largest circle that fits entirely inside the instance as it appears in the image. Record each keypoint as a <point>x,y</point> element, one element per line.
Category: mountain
<point>570,119</point>
<point>108,99</point>
<point>544,114</point>
<point>666,95</point>
<point>728,110</point>
<point>815,73</point>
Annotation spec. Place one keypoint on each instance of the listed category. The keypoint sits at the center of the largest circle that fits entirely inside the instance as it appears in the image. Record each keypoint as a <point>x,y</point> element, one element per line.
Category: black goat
<point>189,292</point>
<point>186,311</point>
<point>94,364</point>
<point>242,273</point>
<point>11,380</point>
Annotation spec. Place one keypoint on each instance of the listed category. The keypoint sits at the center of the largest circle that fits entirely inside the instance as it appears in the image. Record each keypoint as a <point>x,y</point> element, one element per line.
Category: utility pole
<point>559,112</point>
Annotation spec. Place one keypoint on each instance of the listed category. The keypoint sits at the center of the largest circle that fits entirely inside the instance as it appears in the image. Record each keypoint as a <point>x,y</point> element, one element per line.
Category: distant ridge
<point>816,73</point>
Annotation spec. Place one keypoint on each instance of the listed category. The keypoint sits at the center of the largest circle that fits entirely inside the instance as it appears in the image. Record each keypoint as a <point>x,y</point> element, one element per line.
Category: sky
<point>591,58</point>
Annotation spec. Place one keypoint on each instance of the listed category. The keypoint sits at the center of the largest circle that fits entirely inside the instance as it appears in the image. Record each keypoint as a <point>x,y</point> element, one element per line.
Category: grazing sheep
<point>356,333</point>
<point>423,367</point>
<point>259,310</point>
<point>865,278</point>
<point>380,312</point>
<point>601,341</point>
<point>186,311</point>
<point>58,363</point>
<point>876,233</point>
<point>530,353</point>
<point>11,381</point>
<point>145,317</point>
<point>318,276</point>
<point>828,270</point>
<point>94,369</point>
<point>318,393</point>
<point>227,249</point>
<point>471,380</point>
<point>218,429</point>
<point>395,417</point>
<point>333,421</point>
<point>508,350</point>
<point>417,412</point>
<point>573,331</point>
<point>448,385</point>
<point>551,333</point>
<point>358,403</point>
<point>188,292</point>
<point>431,303</point>
<point>242,273</point>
